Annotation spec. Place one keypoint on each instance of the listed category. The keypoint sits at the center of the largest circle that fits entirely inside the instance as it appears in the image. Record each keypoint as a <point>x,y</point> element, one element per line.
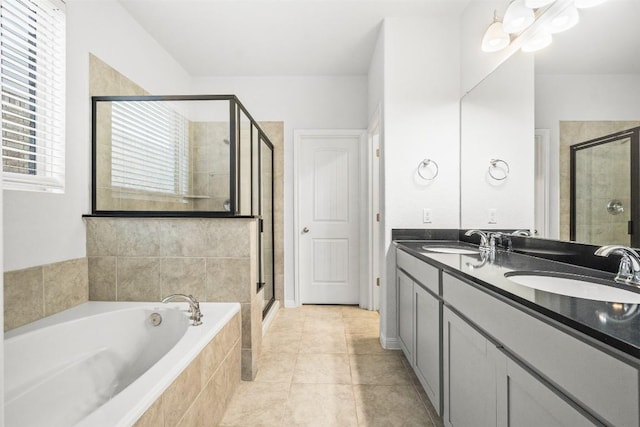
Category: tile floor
<point>324,366</point>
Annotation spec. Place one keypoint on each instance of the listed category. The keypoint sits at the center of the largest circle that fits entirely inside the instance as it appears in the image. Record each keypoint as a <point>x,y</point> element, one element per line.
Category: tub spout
<point>194,306</point>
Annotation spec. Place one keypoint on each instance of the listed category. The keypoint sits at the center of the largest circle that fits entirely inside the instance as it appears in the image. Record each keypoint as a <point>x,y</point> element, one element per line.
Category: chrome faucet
<point>194,306</point>
<point>504,240</point>
<point>629,269</point>
<point>484,239</point>
<point>522,232</point>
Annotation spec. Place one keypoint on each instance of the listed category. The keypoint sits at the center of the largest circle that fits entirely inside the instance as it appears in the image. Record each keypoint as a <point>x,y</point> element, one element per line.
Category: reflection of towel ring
<point>423,165</point>
<point>493,164</point>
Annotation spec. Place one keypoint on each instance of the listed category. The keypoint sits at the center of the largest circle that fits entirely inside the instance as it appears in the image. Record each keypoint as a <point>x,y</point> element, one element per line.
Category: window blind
<point>150,148</point>
<point>32,52</point>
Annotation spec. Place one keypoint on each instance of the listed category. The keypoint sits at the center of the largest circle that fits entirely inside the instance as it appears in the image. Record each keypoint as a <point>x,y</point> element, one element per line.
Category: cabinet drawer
<point>599,382</point>
<point>422,272</point>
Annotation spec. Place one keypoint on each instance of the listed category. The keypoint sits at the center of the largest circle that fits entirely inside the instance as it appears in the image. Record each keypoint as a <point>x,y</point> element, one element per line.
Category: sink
<point>574,286</point>
<point>450,250</point>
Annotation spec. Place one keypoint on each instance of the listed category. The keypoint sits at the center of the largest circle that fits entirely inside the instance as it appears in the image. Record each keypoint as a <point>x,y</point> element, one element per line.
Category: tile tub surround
<point>33,293</point>
<point>202,392</point>
<point>324,366</point>
<point>146,259</point>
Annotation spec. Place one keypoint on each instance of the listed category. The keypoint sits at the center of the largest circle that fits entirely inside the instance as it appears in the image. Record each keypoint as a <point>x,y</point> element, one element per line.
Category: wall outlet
<point>493,216</point>
<point>426,216</point>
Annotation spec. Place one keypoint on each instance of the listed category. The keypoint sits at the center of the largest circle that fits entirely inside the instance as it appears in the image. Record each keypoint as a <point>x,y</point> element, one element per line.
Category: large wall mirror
<point>586,94</point>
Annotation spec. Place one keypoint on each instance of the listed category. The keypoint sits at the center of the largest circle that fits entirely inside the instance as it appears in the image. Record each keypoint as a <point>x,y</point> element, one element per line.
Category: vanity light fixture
<point>537,42</point>
<point>532,23</point>
<point>567,19</point>
<point>495,38</point>
<point>517,17</point>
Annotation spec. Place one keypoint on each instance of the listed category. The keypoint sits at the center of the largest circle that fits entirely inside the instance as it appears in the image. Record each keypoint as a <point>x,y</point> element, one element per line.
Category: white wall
<point>43,228</point>
<point>580,97</point>
<point>421,120</point>
<point>301,103</point>
<point>498,123</point>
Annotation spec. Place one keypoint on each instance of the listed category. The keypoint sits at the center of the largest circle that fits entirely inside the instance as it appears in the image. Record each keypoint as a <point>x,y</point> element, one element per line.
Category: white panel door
<point>329,213</point>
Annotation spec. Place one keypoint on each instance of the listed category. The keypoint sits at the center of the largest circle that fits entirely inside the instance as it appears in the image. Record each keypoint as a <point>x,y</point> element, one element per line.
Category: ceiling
<point>605,41</point>
<point>274,37</point>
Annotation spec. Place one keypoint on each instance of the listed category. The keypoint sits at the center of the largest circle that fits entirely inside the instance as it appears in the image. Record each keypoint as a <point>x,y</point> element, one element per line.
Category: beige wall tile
<point>65,285</point>
<point>181,393</point>
<point>23,297</point>
<point>102,278</point>
<point>228,280</point>
<point>138,279</point>
<point>184,276</point>
<point>140,237</point>
<point>153,417</point>
<point>101,237</point>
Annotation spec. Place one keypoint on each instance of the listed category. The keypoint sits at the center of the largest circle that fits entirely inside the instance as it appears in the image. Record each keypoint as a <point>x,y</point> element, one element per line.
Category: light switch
<point>426,216</point>
<point>493,216</point>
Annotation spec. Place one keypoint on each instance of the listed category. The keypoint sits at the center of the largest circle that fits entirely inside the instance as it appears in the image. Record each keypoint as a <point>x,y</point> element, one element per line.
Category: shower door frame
<point>634,136</point>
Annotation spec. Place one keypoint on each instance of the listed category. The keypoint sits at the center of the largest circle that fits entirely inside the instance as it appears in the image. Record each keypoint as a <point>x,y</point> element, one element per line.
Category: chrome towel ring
<point>424,165</point>
<point>494,164</point>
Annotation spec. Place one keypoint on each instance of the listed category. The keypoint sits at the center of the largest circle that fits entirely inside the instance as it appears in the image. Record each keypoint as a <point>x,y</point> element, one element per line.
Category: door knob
<point>305,230</point>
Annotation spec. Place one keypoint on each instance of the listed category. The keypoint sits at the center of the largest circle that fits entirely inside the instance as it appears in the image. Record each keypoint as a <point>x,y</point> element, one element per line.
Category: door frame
<point>298,136</point>
<point>542,194</point>
<point>370,294</point>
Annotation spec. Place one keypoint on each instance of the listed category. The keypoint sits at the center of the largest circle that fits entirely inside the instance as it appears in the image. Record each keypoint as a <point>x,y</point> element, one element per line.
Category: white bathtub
<point>101,363</point>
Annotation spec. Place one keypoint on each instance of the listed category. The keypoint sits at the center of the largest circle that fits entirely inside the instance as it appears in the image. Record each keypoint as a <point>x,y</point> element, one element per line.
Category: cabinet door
<point>525,401</point>
<point>427,344</point>
<point>469,375</point>
<point>405,314</point>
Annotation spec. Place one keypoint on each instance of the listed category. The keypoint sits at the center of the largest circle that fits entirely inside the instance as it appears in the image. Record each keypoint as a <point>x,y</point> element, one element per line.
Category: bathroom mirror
<point>587,86</point>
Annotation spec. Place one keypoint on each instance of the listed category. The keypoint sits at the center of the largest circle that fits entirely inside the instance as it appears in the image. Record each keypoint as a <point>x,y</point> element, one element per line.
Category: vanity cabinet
<point>485,360</point>
<point>485,387</point>
<point>419,325</point>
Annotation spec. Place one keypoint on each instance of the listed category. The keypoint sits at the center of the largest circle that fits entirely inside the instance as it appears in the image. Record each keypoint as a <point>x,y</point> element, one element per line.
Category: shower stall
<point>605,189</point>
<point>185,157</point>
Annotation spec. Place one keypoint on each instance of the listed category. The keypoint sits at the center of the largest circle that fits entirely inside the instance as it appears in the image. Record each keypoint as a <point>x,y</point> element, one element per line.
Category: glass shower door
<point>603,178</point>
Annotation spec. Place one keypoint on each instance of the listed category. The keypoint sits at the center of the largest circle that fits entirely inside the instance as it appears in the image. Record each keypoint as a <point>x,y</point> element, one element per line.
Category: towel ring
<point>423,165</point>
<point>493,164</point>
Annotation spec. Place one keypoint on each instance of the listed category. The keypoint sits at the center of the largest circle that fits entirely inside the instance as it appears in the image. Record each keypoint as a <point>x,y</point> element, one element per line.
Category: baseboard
<point>266,322</point>
<point>290,303</point>
<point>389,343</point>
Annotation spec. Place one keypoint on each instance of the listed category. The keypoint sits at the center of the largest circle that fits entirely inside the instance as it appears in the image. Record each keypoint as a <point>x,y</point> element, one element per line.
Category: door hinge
<point>377,152</point>
<point>378,217</point>
<point>378,281</point>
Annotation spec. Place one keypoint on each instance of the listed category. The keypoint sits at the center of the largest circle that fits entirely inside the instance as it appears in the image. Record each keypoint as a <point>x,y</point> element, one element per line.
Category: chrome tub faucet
<point>194,306</point>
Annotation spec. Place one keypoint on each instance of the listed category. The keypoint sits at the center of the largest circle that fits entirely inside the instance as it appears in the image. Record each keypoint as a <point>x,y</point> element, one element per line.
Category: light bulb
<point>567,19</point>
<point>517,17</point>
<point>495,38</point>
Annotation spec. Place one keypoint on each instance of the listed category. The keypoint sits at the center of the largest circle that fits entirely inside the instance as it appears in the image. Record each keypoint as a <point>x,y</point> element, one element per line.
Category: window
<point>32,52</point>
<point>149,148</point>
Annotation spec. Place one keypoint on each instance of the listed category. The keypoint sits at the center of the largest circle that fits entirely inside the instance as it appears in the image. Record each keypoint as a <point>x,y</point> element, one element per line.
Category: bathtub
<point>101,363</point>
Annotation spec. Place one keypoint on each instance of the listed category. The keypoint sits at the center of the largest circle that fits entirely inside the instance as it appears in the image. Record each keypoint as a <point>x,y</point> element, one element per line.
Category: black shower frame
<point>634,137</point>
<point>235,109</point>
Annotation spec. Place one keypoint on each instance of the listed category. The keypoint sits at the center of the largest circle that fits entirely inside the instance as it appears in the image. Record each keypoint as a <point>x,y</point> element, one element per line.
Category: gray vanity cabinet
<point>469,375</point>
<point>405,314</point>
<point>484,387</point>
<point>419,326</point>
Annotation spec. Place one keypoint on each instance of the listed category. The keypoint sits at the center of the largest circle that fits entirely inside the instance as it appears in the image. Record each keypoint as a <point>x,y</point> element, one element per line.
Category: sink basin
<point>573,286</point>
<point>450,250</point>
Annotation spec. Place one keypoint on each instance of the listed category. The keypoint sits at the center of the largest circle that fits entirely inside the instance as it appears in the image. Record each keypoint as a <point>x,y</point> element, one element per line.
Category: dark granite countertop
<point>613,324</point>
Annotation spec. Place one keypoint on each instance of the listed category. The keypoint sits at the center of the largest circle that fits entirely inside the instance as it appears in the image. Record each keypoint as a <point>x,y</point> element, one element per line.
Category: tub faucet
<point>629,269</point>
<point>484,239</point>
<point>194,306</point>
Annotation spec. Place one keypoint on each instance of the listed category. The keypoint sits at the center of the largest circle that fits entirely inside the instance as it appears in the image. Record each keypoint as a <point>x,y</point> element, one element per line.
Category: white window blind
<point>32,51</point>
<point>150,148</point>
